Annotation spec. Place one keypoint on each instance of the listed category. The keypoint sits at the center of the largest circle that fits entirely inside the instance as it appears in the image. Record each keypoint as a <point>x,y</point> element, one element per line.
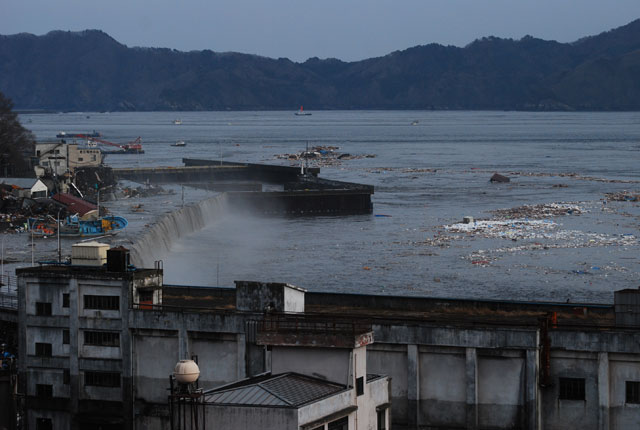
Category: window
<point>44,424</point>
<point>102,379</point>
<point>145,296</point>
<point>341,424</point>
<point>633,392</point>
<point>107,303</point>
<point>66,376</point>
<point>102,338</point>
<point>43,308</point>
<point>43,349</point>
<point>65,300</point>
<point>382,419</point>
<point>360,386</point>
<point>79,158</point>
<point>571,389</point>
<point>65,337</point>
<point>44,390</point>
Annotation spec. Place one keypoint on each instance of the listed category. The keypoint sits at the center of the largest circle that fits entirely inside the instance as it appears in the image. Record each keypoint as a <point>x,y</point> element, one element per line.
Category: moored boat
<point>301,112</point>
<point>73,226</point>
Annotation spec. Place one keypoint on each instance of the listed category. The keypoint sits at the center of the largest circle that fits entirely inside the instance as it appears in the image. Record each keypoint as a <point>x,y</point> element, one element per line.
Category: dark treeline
<point>16,142</point>
<point>90,71</point>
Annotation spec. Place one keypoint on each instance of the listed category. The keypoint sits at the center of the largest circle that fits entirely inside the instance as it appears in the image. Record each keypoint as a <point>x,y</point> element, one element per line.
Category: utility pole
<point>59,249</point>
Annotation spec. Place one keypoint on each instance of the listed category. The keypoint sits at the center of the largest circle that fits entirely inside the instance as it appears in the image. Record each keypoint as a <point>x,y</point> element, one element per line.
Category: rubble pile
<point>322,156</point>
<point>15,212</point>
<point>142,191</point>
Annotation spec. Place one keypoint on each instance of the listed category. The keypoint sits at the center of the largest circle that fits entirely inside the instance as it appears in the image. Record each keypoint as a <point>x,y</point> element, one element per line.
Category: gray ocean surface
<point>430,169</point>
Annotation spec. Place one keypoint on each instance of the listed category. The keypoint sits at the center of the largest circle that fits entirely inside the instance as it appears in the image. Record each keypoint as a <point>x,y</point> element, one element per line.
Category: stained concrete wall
<point>451,377</point>
<point>268,296</point>
<point>330,364</point>
<point>155,356</point>
<point>622,368</point>
<point>232,417</point>
<point>391,360</point>
<point>563,414</point>
<point>319,410</point>
<point>217,357</point>
<point>500,391</point>
<point>442,388</point>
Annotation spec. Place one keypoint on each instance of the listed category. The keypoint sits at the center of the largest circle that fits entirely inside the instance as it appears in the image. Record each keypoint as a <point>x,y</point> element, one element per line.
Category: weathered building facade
<point>452,363</point>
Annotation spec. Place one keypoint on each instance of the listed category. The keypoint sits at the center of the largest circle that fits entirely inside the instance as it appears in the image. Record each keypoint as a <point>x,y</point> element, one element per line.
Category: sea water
<point>429,169</point>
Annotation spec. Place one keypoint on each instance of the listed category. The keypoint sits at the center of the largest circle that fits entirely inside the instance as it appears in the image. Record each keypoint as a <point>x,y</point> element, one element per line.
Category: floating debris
<point>499,178</point>
<point>322,156</point>
<point>539,211</point>
<point>623,196</point>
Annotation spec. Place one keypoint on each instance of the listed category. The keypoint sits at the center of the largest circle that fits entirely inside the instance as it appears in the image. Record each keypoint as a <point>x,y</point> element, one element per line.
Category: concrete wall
<point>155,356</point>
<point>500,390</point>
<point>268,296</point>
<point>563,414</point>
<point>622,368</point>
<point>217,357</point>
<point>320,410</point>
<point>232,417</point>
<point>442,387</point>
<point>330,364</point>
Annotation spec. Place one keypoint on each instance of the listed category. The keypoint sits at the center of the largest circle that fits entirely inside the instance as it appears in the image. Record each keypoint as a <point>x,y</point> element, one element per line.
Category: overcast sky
<point>299,29</point>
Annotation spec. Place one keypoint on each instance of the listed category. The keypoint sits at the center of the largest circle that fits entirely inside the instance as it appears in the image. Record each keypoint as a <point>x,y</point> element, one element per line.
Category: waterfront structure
<point>101,341</point>
<point>58,158</point>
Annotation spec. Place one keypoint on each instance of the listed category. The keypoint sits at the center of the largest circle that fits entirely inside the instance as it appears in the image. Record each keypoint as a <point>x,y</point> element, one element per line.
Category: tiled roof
<point>286,390</point>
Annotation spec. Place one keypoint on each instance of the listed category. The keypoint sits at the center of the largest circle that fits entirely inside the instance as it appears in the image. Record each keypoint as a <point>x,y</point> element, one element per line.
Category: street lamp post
<point>2,274</point>
<point>58,230</point>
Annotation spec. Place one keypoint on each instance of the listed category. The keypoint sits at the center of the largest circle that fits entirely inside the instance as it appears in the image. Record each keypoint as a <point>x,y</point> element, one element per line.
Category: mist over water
<point>426,176</point>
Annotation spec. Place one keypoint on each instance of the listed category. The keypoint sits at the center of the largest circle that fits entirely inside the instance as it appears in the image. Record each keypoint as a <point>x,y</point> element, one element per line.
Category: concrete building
<point>75,358</point>
<point>103,353</point>
<point>58,158</point>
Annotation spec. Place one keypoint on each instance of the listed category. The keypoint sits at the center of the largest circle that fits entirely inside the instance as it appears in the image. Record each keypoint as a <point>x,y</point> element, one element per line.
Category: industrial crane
<point>134,147</point>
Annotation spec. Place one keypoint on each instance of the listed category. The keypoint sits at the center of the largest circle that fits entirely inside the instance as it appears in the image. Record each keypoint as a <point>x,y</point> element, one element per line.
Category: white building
<point>58,158</point>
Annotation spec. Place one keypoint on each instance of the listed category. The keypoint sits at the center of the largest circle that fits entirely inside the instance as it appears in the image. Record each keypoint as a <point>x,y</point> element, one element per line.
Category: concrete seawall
<point>158,239</point>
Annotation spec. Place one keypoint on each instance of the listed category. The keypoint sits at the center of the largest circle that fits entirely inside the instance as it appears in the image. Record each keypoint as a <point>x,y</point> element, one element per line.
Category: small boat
<point>179,143</point>
<point>177,121</point>
<point>301,112</point>
<point>73,226</point>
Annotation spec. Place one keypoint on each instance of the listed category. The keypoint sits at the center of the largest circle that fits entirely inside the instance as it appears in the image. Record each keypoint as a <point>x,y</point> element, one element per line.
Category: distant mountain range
<point>90,71</point>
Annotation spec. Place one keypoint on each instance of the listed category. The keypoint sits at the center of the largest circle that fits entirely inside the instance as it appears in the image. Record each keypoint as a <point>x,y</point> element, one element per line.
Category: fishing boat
<point>177,121</point>
<point>179,143</point>
<point>73,226</point>
<point>301,112</point>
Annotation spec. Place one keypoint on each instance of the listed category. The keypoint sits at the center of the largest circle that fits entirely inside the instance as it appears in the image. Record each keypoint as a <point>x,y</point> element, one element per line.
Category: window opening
<point>572,389</point>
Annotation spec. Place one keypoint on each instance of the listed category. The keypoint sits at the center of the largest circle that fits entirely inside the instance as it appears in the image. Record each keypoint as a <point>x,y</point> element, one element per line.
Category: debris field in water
<point>531,224</point>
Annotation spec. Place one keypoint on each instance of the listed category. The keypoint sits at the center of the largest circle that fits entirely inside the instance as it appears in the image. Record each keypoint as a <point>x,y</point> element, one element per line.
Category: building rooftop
<point>289,390</point>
